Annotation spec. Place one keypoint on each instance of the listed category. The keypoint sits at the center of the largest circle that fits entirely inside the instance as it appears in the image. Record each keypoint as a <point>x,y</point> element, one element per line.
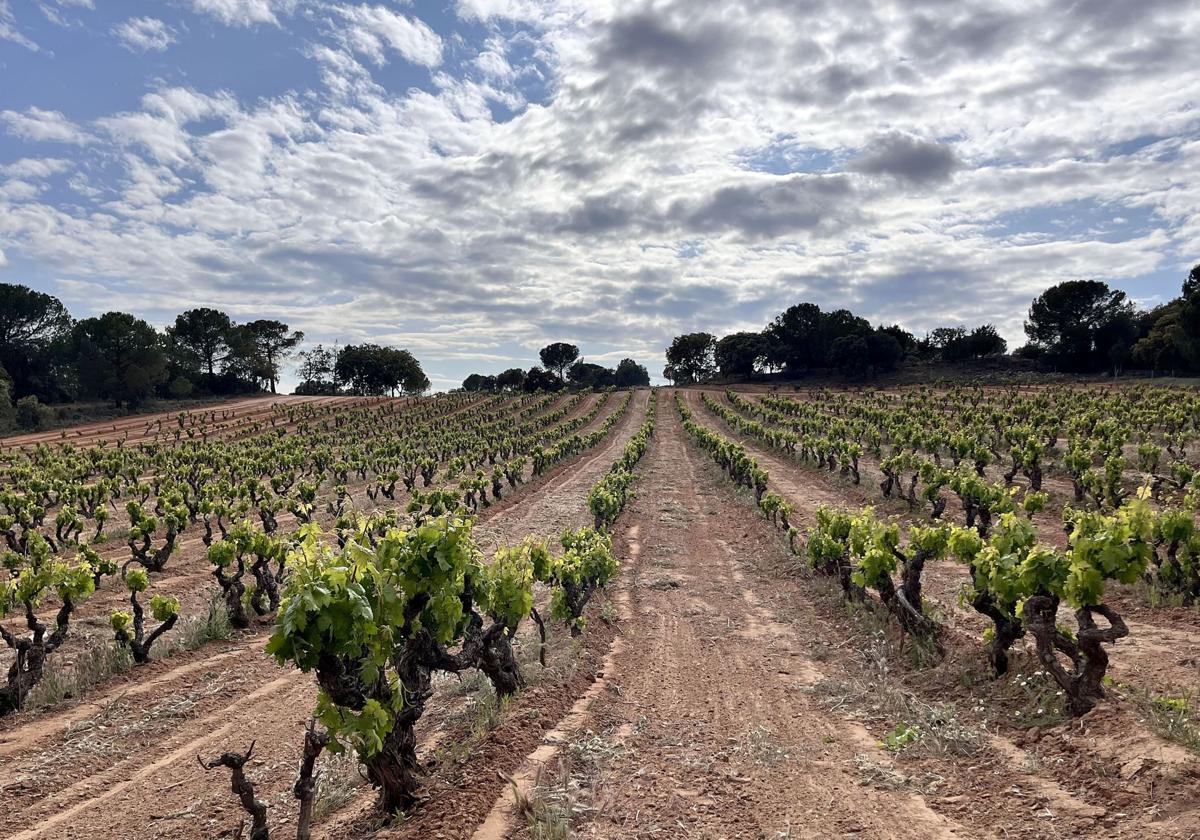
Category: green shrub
<point>31,414</point>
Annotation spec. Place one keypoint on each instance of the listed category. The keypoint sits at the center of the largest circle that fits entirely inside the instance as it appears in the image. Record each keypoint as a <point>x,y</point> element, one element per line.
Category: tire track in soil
<point>717,734</point>
<point>272,711</point>
<point>1118,738</point>
<point>39,728</point>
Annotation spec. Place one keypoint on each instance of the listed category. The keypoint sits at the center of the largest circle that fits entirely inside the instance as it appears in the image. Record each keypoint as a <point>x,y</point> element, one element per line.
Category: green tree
<point>119,358</point>
<point>1077,322</point>
<point>1188,332</point>
<point>316,371</point>
<point>943,342</point>
<point>740,355</point>
<point>985,340</point>
<point>1165,344</point>
<point>274,343</point>
<point>369,369</point>
<point>206,333</point>
<point>243,364</point>
<point>851,355</point>
<point>479,382</point>
<point>8,415</point>
<point>541,380</point>
<point>558,357</point>
<point>589,375</point>
<point>955,344</point>
<point>884,350</point>
<point>690,358</point>
<point>906,340</point>
<point>511,379</point>
<point>796,337</point>
<point>31,325</point>
<point>31,415</point>
<point>629,374</point>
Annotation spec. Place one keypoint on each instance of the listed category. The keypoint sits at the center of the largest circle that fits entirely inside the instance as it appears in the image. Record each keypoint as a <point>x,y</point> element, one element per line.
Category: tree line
<point>561,367</point>
<point>48,357</point>
<point>1079,326</point>
<point>360,370</point>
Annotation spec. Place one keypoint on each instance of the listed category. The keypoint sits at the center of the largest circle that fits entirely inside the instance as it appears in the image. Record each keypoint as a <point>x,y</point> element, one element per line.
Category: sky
<point>473,179</point>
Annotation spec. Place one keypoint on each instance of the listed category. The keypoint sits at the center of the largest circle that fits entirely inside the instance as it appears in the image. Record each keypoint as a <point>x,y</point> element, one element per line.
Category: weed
<point>96,663</point>
<point>900,737</point>
<point>212,626</point>
<point>886,777</point>
<point>338,781</point>
<point>608,613</point>
<point>1044,700</point>
<point>550,808</point>
<point>1172,717</point>
<point>488,712</point>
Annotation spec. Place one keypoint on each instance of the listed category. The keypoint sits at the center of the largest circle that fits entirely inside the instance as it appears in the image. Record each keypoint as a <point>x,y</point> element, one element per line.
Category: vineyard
<point>922,612</point>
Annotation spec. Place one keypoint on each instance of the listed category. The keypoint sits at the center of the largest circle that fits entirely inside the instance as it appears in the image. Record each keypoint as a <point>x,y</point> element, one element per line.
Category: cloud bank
<point>473,183</point>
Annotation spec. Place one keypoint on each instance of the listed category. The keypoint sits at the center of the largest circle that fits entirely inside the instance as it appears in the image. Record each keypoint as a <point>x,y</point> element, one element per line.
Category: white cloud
<point>41,125</point>
<point>3,259</point>
<point>35,167</point>
<point>8,28</point>
<point>372,30</point>
<point>143,34</point>
<point>244,12</point>
<point>656,169</point>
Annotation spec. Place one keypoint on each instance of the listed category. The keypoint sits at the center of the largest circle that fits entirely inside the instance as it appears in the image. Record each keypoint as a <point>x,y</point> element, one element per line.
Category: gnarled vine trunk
<point>31,654</point>
<point>1083,683</point>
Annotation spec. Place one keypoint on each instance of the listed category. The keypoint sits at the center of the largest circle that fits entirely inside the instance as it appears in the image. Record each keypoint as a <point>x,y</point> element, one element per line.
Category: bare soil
<point>720,691</point>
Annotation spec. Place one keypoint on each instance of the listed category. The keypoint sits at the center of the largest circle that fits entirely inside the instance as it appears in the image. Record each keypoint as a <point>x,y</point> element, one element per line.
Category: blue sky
<point>472,179</point>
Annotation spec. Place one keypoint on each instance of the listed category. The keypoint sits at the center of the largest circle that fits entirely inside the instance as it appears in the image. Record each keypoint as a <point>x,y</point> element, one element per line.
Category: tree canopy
<point>272,341</point>
<point>538,379</point>
<point>558,357</point>
<point>690,358</point>
<point>372,370</point>
<point>590,375</point>
<point>1076,323</point>
<point>32,323</point>
<point>741,354</point>
<point>629,374</point>
<point>118,357</point>
<point>205,332</point>
<point>511,379</point>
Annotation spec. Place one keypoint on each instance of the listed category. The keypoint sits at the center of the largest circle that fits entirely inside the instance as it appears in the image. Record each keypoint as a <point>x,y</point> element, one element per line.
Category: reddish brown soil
<point>733,698</point>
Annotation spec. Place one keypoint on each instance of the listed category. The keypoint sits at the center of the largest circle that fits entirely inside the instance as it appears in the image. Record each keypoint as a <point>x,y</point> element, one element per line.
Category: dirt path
<point>564,502</point>
<point>710,729</point>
